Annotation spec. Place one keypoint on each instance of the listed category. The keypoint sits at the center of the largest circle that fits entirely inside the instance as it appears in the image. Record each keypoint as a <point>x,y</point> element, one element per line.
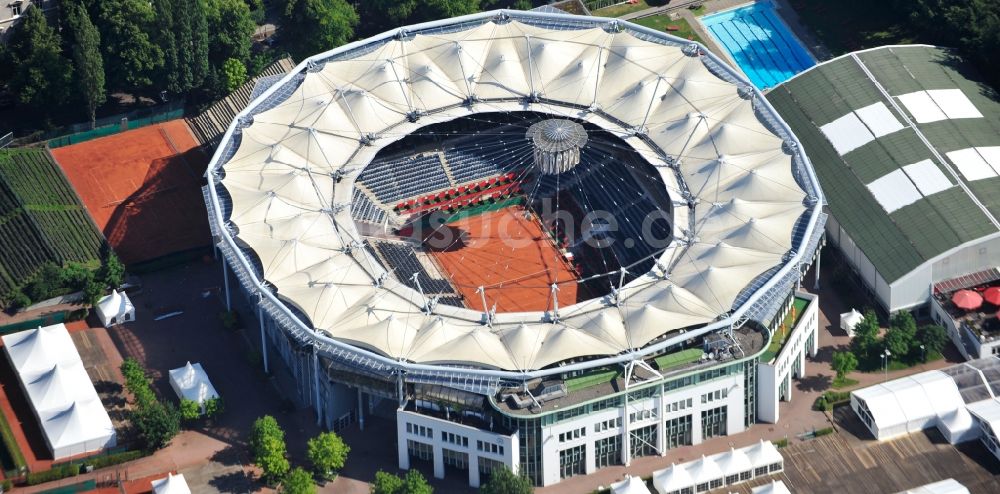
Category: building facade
<point>12,11</point>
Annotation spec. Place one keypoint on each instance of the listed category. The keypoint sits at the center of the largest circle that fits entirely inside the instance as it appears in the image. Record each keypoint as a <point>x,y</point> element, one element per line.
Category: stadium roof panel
<point>673,103</point>
<point>947,120</point>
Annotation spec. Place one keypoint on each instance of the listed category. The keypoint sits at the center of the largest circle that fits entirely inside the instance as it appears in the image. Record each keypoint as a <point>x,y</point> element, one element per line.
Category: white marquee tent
<point>946,486</point>
<point>672,479</point>
<point>191,382</point>
<point>631,485</point>
<point>849,320</point>
<point>82,427</point>
<point>49,370</point>
<point>115,308</point>
<point>914,403</point>
<point>171,484</point>
<point>735,465</point>
<point>775,487</point>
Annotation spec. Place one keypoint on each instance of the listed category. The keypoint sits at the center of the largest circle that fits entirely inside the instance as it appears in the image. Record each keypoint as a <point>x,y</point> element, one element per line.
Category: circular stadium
<point>497,199</point>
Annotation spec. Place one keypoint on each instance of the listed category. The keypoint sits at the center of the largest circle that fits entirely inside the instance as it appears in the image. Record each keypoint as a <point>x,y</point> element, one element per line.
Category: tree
<point>327,452</point>
<point>267,444</point>
<point>392,13</point>
<point>865,341</point>
<point>93,290</point>
<point>131,58</point>
<point>112,272</point>
<point>88,65</point>
<point>933,338</point>
<point>190,410</point>
<point>904,323</point>
<point>415,483</point>
<point>386,483</point>
<point>843,363</point>
<point>897,343</point>
<point>157,423</point>
<point>314,26</point>
<point>504,481</point>
<point>298,482</point>
<point>192,44</point>
<point>230,27</point>
<point>234,74</point>
<point>41,76</point>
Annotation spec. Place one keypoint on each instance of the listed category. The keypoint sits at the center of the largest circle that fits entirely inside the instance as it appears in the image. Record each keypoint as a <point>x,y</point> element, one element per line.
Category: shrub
<point>7,485</point>
<point>823,432</point>
<point>11,444</point>
<point>113,459</point>
<point>78,315</point>
<point>780,443</point>
<point>229,319</point>
<point>18,300</point>
<point>157,423</point>
<point>190,410</point>
<point>214,407</point>
<point>60,472</point>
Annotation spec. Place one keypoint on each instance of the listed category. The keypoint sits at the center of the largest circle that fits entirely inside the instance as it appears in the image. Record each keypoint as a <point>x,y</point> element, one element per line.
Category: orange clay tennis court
<point>142,188</point>
<point>512,257</point>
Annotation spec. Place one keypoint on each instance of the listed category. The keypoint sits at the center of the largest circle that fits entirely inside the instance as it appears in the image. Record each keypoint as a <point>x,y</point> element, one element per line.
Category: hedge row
<point>11,444</point>
<point>60,472</point>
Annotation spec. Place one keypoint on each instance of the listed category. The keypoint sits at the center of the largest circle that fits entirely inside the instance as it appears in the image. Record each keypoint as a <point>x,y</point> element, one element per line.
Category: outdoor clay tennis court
<point>512,257</point>
<point>142,188</point>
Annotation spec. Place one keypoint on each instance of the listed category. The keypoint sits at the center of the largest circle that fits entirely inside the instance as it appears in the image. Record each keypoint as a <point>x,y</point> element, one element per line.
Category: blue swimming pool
<point>760,43</point>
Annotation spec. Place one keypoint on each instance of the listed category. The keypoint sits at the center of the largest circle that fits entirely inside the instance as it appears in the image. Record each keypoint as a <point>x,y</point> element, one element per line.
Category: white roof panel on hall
<point>894,190</point>
<point>879,119</point>
<point>972,164</point>
<point>922,107</point>
<point>954,103</point>
<point>847,133</point>
<point>991,154</point>
<point>928,178</point>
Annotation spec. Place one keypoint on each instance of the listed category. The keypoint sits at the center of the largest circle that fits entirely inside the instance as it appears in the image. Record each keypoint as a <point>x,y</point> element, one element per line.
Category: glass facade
<point>678,432</point>
<point>572,461</point>
<point>643,441</point>
<point>608,451</point>
<point>713,422</point>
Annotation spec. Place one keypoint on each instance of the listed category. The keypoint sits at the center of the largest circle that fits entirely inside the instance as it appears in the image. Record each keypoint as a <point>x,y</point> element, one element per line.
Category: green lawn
<point>850,25</point>
<point>678,358</point>
<point>843,383</point>
<point>589,379</point>
<point>791,319</point>
<point>620,10</point>
<point>660,23</point>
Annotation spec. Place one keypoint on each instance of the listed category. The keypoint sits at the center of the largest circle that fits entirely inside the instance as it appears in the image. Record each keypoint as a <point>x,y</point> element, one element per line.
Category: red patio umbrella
<point>992,295</point>
<point>967,299</point>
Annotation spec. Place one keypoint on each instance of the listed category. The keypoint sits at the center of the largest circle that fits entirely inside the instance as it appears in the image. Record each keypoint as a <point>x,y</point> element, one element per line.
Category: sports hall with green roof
<point>906,143</point>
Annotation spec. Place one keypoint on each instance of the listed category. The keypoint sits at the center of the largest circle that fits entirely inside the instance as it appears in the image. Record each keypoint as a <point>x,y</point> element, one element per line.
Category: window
<point>678,432</point>
<point>420,451</point>
<point>15,9</point>
<point>608,424</point>
<point>760,471</point>
<point>608,451</point>
<point>713,422</point>
<point>572,461</point>
<point>573,434</point>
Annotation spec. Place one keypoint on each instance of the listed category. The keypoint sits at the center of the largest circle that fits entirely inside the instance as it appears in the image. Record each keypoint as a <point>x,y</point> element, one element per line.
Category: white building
<point>774,377</point>
<point>908,154</point>
<point>958,400</point>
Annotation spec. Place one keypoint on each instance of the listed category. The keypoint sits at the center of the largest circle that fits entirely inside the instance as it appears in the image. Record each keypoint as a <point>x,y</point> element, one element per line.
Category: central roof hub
<point>557,144</point>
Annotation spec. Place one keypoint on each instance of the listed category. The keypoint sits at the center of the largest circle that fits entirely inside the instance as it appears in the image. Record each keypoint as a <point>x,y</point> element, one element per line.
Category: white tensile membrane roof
<point>288,206</point>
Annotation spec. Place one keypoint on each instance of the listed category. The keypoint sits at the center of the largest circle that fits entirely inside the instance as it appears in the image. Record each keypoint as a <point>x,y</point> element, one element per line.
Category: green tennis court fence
<point>48,320</point>
<point>82,132</point>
